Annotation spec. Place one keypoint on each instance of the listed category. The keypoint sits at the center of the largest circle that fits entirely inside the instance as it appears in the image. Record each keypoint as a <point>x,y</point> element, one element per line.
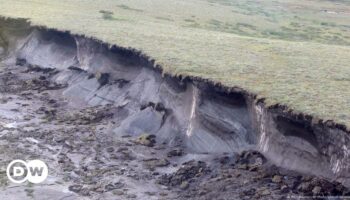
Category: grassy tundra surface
<point>291,52</point>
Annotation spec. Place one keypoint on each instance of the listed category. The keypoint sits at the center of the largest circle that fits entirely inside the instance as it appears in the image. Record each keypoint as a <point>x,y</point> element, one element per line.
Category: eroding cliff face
<point>295,143</point>
<point>189,112</point>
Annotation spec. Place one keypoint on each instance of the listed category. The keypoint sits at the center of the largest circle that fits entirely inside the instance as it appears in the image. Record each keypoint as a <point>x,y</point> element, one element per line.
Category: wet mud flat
<point>111,126</point>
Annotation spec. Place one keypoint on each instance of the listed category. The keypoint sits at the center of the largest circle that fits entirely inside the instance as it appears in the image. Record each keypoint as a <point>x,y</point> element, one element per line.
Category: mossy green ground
<point>291,52</point>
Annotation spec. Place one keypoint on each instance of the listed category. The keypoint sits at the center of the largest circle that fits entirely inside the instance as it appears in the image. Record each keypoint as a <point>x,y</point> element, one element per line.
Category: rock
<point>253,168</point>
<point>150,193</point>
<point>110,149</point>
<point>154,162</point>
<point>118,192</point>
<point>155,173</point>
<point>91,76</point>
<point>250,160</point>
<point>259,161</point>
<point>75,188</point>
<point>52,101</point>
<point>175,152</point>
<point>184,185</point>
<point>284,189</point>
<point>113,186</point>
<point>163,194</point>
<point>264,192</point>
<point>21,61</point>
<point>306,178</point>
<point>124,155</point>
<point>277,179</point>
<point>74,68</point>
<point>85,192</point>
<point>97,189</point>
<point>224,160</point>
<point>50,113</point>
<point>163,163</point>
<point>316,190</point>
<point>146,140</point>
<point>249,192</point>
<point>202,192</point>
<point>131,196</point>
<point>102,78</point>
<point>189,170</point>
<point>243,166</point>
<point>304,186</point>
<point>122,149</point>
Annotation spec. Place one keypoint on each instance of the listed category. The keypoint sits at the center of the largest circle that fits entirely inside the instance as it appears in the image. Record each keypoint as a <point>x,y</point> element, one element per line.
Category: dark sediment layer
<point>203,116</point>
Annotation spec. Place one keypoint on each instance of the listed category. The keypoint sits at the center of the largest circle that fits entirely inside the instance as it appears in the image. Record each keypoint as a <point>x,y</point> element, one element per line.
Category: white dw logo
<point>34,171</point>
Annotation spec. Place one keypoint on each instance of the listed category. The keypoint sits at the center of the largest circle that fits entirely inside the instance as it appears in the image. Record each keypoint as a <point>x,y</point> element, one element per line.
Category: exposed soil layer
<point>108,124</point>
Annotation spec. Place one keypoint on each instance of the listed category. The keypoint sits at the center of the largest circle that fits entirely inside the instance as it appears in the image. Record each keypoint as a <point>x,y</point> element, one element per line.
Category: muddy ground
<point>88,161</point>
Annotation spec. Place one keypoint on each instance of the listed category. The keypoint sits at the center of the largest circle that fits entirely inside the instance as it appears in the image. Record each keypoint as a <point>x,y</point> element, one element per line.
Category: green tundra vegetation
<point>290,52</point>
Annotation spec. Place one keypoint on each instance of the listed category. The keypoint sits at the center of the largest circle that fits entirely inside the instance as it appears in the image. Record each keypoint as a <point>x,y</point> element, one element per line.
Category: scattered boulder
<point>110,149</point>
<point>123,155</point>
<point>224,160</point>
<point>120,82</point>
<point>188,171</point>
<point>154,162</point>
<point>102,78</point>
<point>21,61</point>
<point>277,179</point>
<point>146,140</point>
<point>184,185</point>
<point>131,196</point>
<point>249,192</point>
<point>284,189</point>
<point>304,187</point>
<point>118,192</point>
<point>74,68</point>
<point>75,188</point>
<point>175,152</point>
<point>113,186</point>
<point>45,70</point>
<point>250,160</point>
<point>122,149</point>
<point>265,192</point>
<point>316,190</point>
